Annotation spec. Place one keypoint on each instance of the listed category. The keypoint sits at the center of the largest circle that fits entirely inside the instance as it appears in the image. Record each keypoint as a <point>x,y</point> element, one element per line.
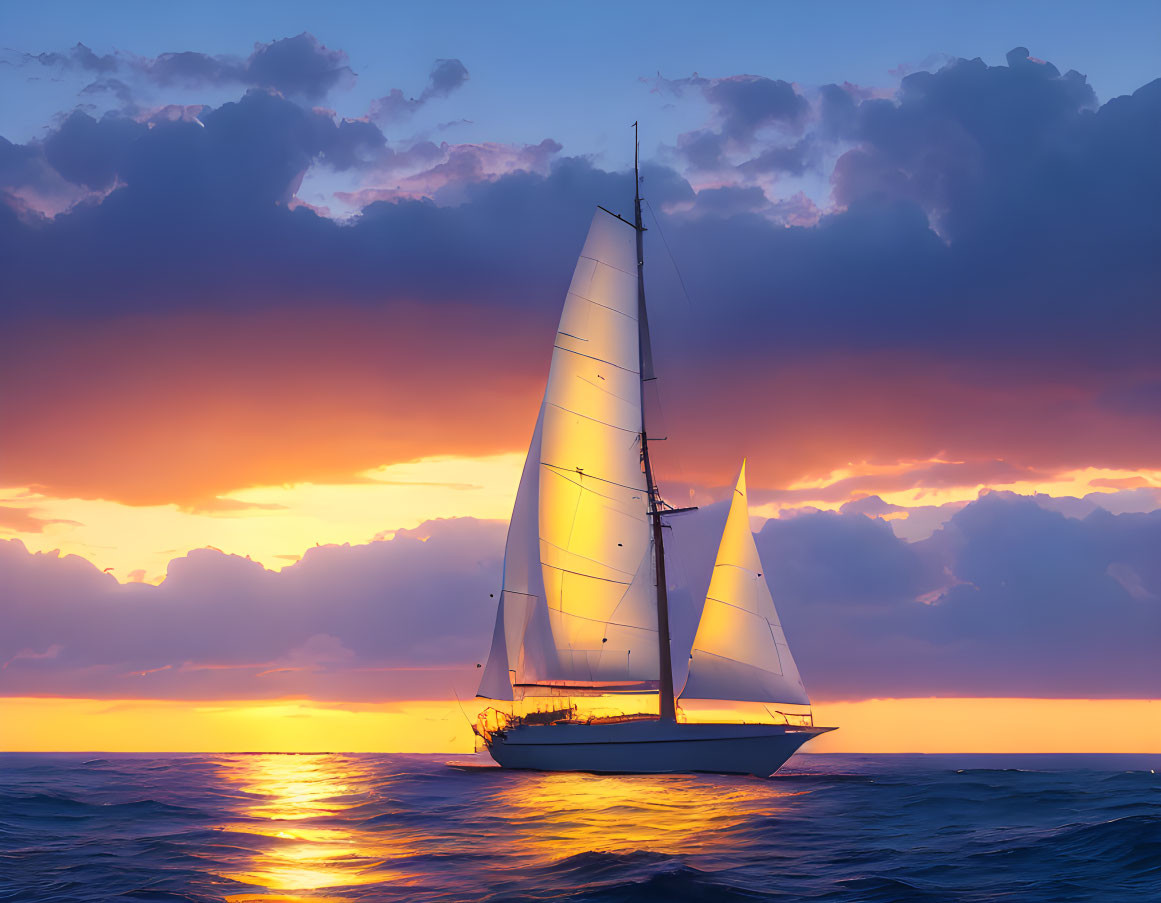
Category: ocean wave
<point>75,829</point>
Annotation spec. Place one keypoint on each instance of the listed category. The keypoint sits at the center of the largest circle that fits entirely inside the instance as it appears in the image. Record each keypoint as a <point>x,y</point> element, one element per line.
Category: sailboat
<point>584,607</point>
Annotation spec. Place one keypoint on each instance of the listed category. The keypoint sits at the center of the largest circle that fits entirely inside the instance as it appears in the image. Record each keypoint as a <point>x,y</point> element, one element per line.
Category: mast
<point>667,706</point>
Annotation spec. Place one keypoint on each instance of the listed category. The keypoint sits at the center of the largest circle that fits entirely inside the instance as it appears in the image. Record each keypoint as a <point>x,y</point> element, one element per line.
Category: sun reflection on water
<point>340,828</point>
<point>301,805</point>
<point>567,814</point>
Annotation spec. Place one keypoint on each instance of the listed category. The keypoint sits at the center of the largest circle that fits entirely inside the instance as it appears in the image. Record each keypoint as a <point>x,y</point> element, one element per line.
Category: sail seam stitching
<point>585,379</point>
<point>605,306</point>
<point>614,426</point>
<point>737,661</point>
<point>603,621</point>
<point>598,359</point>
<point>590,576</point>
<point>756,614</point>
<point>605,263</point>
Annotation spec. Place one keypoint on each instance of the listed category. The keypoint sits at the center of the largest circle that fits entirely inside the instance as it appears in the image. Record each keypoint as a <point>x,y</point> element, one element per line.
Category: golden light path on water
<point>290,793</point>
<point>325,829</point>
<point>667,814</point>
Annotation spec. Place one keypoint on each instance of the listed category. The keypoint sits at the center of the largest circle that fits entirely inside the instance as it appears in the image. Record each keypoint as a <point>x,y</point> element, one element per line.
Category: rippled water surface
<point>371,827</point>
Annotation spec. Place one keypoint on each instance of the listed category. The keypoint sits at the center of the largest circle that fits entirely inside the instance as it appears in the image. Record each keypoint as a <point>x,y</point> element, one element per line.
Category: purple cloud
<point>300,66</point>
<point>346,622</point>
<point>446,76</point>
<point>79,57</point>
<point>1006,599</point>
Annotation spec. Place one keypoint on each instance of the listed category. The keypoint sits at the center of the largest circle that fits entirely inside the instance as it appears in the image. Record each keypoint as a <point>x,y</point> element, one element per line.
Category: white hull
<point>650,747</point>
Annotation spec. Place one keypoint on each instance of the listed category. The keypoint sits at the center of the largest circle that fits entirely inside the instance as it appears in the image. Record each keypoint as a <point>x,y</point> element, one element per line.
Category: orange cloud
<point>189,409</point>
<point>153,410</point>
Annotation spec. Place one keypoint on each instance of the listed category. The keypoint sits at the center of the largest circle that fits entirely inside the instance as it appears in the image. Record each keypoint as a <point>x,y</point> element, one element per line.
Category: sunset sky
<point>277,296</point>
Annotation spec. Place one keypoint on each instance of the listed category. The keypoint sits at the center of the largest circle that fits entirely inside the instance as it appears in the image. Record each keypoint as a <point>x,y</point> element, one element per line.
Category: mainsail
<point>739,651</point>
<point>578,607</point>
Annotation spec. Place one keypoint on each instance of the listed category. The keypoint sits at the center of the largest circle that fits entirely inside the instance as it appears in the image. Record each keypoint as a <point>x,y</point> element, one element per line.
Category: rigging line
<point>570,614</point>
<point>566,472</point>
<point>675,458</point>
<point>672,259</point>
<point>462,712</point>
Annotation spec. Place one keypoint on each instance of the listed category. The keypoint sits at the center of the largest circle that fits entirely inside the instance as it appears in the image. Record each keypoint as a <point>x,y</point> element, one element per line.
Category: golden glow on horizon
<point>139,542</point>
<point>1076,483</point>
<point>870,726</point>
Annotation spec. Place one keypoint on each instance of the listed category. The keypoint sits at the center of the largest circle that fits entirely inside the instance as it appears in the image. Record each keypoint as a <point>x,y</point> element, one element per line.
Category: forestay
<point>739,651</point>
<point>578,606</point>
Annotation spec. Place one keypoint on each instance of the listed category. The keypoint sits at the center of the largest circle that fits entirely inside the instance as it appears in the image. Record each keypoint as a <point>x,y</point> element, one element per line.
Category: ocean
<point>332,827</point>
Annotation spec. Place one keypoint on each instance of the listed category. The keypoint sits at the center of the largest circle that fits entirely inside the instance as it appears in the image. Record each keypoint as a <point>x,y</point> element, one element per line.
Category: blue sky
<point>572,71</point>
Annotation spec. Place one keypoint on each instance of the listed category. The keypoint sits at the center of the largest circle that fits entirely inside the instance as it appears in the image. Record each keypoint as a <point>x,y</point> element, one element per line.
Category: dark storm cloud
<point>1006,599</point>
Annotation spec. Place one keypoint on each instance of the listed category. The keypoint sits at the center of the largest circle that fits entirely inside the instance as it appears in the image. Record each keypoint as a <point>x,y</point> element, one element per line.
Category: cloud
<point>297,66</point>
<point>742,107</point>
<point>300,66</point>
<point>388,619</point>
<point>1007,599</point>
<point>79,57</point>
<point>747,103</point>
<point>446,76</point>
<point>89,152</point>
<point>1019,329</point>
<point>969,137</point>
<point>24,520</point>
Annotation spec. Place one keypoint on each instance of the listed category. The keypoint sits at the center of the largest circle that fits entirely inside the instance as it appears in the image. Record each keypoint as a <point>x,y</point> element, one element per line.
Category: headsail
<point>739,651</point>
<point>522,585</point>
<point>582,613</point>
